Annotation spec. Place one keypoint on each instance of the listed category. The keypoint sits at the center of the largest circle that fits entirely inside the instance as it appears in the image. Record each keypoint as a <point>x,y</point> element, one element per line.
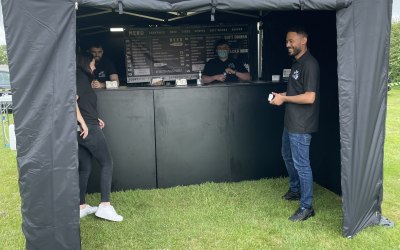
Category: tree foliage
<point>3,54</point>
<point>394,61</point>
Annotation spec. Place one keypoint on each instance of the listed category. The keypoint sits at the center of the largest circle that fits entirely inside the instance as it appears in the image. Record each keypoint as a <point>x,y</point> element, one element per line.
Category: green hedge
<point>3,54</point>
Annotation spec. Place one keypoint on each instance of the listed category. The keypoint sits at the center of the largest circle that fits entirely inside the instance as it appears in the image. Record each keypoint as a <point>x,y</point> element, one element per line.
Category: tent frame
<point>44,102</point>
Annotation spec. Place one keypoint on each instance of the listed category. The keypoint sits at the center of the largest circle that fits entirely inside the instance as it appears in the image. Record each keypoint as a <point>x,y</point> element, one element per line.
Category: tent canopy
<point>201,5</point>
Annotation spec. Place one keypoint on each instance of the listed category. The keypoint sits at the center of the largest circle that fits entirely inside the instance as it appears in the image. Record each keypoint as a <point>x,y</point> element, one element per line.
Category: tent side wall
<point>363,58</point>
<point>40,39</point>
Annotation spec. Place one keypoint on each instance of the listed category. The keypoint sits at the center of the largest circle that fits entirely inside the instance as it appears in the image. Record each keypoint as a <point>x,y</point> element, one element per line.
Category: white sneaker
<point>108,212</point>
<point>87,210</point>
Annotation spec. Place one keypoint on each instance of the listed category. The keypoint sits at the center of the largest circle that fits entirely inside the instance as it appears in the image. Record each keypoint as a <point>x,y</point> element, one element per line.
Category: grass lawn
<point>244,215</point>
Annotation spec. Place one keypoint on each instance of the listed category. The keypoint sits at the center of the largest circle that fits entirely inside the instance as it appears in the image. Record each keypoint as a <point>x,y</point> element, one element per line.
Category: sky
<point>396,10</point>
<point>2,34</point>
<point>395,16</point>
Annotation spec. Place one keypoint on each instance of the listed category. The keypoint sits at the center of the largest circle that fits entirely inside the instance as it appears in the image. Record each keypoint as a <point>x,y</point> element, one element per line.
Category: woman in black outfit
<point>94,145</point>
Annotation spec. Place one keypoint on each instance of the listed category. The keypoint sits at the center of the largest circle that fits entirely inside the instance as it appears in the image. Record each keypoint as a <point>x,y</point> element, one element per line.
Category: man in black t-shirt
<point>301,119</point>
<point>105,70</point>
<point>224,68</point>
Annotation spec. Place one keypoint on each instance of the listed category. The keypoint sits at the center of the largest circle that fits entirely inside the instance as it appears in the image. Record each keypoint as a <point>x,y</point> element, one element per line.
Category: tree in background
<point>3,54</point>
<point>394,61</point>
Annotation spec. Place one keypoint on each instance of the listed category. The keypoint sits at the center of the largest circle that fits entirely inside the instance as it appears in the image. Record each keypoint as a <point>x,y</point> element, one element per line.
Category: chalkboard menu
<point>179,52</point>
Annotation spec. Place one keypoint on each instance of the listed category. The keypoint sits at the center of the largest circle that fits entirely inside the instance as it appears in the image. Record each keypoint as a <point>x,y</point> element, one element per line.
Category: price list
<point>178,52</point>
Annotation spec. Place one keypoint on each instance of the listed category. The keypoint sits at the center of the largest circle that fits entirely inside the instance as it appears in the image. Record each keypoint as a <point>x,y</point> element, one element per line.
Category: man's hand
<point>305,98</point>
<point>230,71</point>
<point>220,77</point>
<point>98,85</point>
<point>209,79</point>
<point>279,99</point>
<point>101,123</point>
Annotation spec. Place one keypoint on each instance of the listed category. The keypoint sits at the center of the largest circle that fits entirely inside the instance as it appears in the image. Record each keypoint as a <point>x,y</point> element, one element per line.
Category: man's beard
<point>296,51</point>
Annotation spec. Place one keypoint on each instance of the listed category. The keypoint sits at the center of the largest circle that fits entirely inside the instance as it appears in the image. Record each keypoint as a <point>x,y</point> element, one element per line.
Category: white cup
<point>276,78</point>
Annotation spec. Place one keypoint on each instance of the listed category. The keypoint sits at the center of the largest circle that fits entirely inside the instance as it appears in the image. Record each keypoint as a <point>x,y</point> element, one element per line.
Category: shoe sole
<point>103,217</point>
<point>86,214</point>
<point>291,199</point>
<point>305,218</point>
<point>308,216</point>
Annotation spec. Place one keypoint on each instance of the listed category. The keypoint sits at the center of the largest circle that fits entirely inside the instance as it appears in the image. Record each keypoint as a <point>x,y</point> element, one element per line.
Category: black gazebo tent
<point>41,37</point>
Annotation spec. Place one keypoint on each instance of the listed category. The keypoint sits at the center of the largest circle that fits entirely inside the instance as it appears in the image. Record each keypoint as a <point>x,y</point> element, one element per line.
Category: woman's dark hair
<point>83,62</point>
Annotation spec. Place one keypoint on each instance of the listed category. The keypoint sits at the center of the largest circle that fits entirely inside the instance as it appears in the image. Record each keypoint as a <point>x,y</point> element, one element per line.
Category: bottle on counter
<point>199,79</point>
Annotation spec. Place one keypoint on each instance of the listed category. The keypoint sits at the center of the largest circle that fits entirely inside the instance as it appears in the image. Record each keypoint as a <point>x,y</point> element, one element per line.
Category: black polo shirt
<point>87,101</point>
<point>104,68</point>
<point>304,77</point>
<point>216,66</point>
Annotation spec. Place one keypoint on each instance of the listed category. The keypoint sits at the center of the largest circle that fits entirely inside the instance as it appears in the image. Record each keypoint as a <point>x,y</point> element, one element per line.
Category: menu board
<point>179,52</point>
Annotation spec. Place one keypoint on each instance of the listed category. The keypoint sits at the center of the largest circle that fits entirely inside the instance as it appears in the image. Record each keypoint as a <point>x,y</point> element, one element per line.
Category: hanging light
<point>115,29</point>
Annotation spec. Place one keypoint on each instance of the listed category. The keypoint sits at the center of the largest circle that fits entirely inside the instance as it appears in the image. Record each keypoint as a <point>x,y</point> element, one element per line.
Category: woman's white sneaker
<point>108,212</point>
<point>87,210</point>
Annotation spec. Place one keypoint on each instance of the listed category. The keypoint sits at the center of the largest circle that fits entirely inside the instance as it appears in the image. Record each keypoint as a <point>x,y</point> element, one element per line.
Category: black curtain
<point>40,36</point>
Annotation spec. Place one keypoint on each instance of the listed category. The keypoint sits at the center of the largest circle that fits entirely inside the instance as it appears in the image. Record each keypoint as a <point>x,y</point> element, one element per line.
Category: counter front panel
<point>169,136</point>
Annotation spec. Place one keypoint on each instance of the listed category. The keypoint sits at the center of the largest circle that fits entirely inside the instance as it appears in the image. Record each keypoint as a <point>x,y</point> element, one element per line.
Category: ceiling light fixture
<point>117,29</point>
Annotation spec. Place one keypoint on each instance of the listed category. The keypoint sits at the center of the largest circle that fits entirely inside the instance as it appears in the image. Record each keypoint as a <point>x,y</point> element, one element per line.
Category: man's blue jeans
<point>295,153</point>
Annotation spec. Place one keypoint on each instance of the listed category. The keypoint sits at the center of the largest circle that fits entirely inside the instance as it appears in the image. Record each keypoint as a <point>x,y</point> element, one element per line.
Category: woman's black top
<point>87,101</point>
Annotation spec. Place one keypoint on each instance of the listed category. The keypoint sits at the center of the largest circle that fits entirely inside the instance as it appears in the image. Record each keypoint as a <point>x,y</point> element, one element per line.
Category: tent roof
<point>202,5</point>
<point>92,13</point>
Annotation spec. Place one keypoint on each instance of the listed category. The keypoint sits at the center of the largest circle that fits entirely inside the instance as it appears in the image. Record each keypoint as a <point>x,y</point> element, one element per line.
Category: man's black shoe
<point>291,196</point>
<point>302,214</point>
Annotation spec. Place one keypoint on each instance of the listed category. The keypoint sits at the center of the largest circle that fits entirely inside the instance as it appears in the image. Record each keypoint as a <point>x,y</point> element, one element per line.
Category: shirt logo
<point>102,74</point>
<point>295,74</point>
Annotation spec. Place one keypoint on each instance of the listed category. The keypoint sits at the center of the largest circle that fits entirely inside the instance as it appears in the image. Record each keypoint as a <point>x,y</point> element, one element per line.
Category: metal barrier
<point>5,107</point>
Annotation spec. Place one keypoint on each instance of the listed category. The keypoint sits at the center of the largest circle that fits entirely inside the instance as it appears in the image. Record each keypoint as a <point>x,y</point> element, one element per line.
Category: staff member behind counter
<point>105,70</point>
<point>224,68</point>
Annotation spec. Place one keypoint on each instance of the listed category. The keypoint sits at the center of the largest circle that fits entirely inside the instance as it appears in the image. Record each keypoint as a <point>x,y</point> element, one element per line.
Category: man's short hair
<point>221,42</point>
<point>299,30</point>
<point>96,45</point>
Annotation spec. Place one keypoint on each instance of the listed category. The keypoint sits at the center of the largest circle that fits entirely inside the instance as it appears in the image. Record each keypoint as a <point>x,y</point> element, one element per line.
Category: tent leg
<point>386,222</point>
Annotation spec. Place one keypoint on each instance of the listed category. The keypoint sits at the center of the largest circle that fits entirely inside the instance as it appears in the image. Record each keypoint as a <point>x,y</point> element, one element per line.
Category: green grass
<point>10,209</point>
<point>244,215</point>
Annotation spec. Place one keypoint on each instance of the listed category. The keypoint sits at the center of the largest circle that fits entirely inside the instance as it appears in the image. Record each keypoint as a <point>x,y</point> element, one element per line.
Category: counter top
<point>190,86</point>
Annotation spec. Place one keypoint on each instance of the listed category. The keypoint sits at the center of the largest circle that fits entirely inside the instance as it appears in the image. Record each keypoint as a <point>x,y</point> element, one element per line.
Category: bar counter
<point>168,136</point>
